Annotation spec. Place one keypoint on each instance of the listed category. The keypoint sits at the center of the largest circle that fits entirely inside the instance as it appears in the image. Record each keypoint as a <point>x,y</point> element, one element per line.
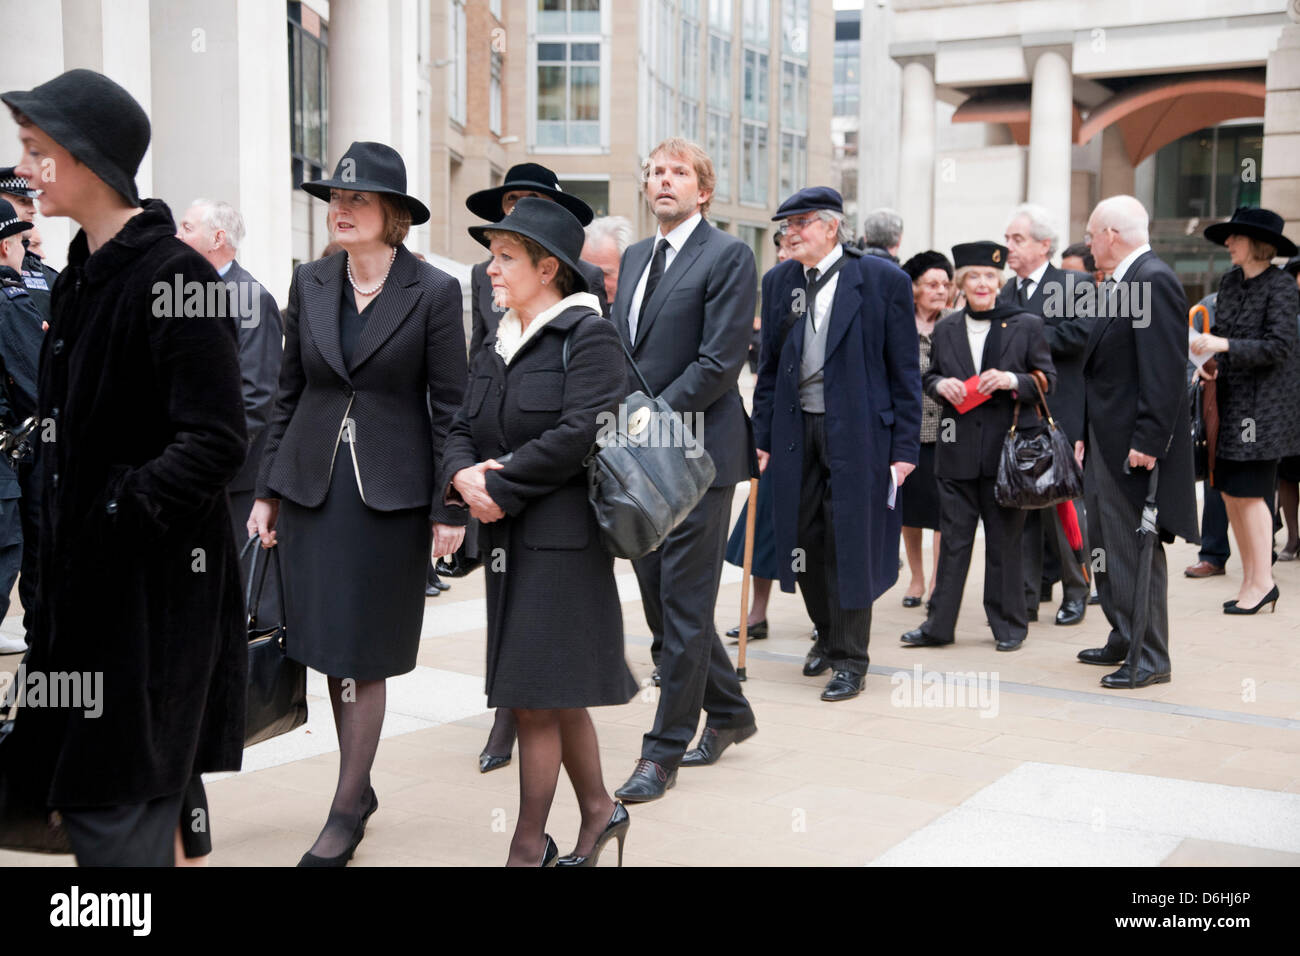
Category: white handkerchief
<point>893,488</point>
<point>1197,360</point>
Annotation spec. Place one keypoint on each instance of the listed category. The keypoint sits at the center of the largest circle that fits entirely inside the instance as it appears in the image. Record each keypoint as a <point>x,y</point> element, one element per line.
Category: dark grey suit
<point>691,342</point>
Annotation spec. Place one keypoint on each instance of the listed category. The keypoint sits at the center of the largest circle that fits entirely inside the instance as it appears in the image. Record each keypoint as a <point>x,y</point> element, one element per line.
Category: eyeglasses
<point>798,225</point>
<point>936,285</point>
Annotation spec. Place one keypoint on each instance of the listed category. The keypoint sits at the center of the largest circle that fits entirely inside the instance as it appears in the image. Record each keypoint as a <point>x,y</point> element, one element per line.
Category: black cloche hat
<point>923,262</point>
<point>989,254</point>
<point>1262,224</point>
<point>370,168</point>
<point>548,224</point>
<point>14,185</point>
<point>486,203</point>
<point>95,120</point>
<point>10,224</point>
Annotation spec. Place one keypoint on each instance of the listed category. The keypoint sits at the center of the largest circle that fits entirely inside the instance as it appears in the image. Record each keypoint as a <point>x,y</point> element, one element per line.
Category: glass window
<point>494,119</point>
<point>753,162</point>
<point>664,41</point>
<point>568,16</point>
<point>689,123</point>
<point>755,85</point>
<point>718,146</point>
<point>308,102</point>
<point>794,27</point>
<point>457,53</point>
<point>719,72</point>
<point>690,78</point>
<point>567,93</point>
<point>794,95</point>
<point>720,15</point>
<point>755,17</point>
<point>794,163</point>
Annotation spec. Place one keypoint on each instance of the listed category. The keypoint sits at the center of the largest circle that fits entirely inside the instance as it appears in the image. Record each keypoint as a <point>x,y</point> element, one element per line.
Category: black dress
<point>353,576</point>
<point>920,493</point>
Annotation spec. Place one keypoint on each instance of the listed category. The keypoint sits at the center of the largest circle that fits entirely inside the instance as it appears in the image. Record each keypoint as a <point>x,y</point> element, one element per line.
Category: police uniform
<point>15,308</point>
<point>36,275</point>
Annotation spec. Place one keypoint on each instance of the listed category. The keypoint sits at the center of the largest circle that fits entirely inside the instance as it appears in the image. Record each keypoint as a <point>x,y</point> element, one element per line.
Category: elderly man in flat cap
<point>837,416</point>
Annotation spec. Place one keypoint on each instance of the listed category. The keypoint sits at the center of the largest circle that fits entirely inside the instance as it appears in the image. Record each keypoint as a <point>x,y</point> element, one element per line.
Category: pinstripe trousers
<point>1115,521</point>
<point>842,633</point>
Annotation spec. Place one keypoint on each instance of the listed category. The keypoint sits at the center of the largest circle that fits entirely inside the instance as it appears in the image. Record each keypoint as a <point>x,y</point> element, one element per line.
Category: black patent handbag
<point>1037,471</point>
<point>277,685</point>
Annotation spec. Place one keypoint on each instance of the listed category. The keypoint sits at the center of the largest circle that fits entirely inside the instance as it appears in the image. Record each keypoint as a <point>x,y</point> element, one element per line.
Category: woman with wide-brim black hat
<point>541,387</point>
<point>373,372</point>
<point>1257,349</point>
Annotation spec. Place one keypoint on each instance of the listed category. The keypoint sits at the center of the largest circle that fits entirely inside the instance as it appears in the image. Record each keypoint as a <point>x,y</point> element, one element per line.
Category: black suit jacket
<point>1054,300</point>
<point>485,318</point>
<point>400,393</point>
<point>971,445</point>
<point>1135,390</point>
<point>693,338</point>
<point>261,345</point>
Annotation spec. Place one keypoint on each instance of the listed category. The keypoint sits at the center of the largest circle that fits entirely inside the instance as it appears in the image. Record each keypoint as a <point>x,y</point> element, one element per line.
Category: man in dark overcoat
<point>1135,416</point>
<point>139,592</point>
<point>837,411</point>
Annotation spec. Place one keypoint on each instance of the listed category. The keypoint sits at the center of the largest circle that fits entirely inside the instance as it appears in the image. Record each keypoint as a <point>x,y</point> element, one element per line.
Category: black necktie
<point>656,273</point>
<point>813,273</point>
<point>1022,291</point>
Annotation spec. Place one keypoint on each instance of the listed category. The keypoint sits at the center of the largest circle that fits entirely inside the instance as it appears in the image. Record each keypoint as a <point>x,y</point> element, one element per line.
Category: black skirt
<point>1245,479</point>
<point>764,563</point>
<point>920,493</point>
<point>353,581</point>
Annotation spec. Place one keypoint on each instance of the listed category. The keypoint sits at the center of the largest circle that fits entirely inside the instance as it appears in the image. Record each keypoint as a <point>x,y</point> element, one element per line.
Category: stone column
<point>1280,175</point>
<point>360,75</point>
<point>916,154</point>
<point>1051,114</point>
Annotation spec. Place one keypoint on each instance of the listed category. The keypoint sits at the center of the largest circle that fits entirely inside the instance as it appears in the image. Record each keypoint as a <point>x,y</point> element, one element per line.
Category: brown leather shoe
<point>1203,569</point>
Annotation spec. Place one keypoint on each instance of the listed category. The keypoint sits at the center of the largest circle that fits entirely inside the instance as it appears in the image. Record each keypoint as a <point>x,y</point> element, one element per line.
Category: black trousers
<point>679,590</point>
<point>1216,548</point>
<point>141,834</point>
<point>1044,535</point>
<point>1116,524</point>
<point>963,502</point>
<point>842,633</point>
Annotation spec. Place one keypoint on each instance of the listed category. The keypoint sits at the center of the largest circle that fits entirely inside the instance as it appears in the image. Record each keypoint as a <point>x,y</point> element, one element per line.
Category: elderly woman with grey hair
<point>882,234</point>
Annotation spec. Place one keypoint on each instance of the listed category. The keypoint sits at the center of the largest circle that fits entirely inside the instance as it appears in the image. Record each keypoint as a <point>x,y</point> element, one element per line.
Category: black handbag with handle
<point>277,685</point>
<point>1039,470</point>
<point>640,485</point>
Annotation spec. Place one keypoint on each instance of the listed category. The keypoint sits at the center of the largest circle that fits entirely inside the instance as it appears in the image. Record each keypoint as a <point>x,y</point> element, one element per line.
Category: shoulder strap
<point>564,357</point>
<point>792,316</point>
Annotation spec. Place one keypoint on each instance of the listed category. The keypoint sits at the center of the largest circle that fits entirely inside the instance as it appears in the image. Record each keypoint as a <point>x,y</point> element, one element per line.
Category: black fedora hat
<point>370,168</point>
<point>486,203</point>
<point>1262,224</point>
<point>10,224</point>
<point>95,120</point>
<point>548,224</point>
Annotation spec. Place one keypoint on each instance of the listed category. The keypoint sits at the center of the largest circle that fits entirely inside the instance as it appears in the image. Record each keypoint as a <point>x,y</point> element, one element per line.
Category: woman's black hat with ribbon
<point>548,224</point>
<point>1262,224</point>
<point>531,177</point>
<point>371,168</point>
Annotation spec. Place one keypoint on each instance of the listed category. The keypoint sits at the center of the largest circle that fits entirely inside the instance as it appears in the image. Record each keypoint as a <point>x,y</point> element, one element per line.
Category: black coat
<point>693,339</point>
<point>400,393</point>
<point>261,346</point>
<point>970,445</point>
<point>555,625</point>
<point>1258,388</point>
<point>484,316</point>
<point>1054,301</point>
<point>138,577</point>
<point>1135,390</point>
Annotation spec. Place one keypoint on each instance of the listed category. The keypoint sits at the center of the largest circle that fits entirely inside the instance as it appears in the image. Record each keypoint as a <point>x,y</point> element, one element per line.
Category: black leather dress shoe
<point>655,676</point>
<point>713,741</point>
<point>756,631</point>
<point>1101,655</point>
<point>1010,645</point>
<point>649,781</point>
<point>815,664</point>
<point>843,685</point>
<point>431,590</point>
<point>910,601</point>
<point>1070,612</point>
<point>918,638</point>
<point>1120,679</point>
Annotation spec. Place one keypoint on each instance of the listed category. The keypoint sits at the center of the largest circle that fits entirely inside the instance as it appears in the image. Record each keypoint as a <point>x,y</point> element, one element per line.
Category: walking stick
<point>744,582</point>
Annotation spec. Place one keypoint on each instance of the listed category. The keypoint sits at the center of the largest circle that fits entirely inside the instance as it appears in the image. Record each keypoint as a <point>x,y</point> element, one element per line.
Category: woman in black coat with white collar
<point>539,388</point>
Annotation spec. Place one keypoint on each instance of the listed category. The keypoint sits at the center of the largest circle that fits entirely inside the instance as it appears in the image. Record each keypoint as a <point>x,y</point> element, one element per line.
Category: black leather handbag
<point>1037,471</point>
<point>647,474</point>
<point>277,685</point>
<point>26,823</point>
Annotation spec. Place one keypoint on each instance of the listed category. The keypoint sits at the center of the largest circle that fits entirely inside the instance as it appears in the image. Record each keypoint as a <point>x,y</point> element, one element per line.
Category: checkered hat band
<point>9,222</point>
<point>14,182</point>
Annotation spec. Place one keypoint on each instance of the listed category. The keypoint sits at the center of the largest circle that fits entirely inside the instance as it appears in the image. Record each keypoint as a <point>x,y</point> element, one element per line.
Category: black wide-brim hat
<point>1262,224</point>
<point>95,120</point>
<point>486,203</point>
<point>10,224</point>
<point>989,254</point>
<point>371,168</point>
<point>548,224</point>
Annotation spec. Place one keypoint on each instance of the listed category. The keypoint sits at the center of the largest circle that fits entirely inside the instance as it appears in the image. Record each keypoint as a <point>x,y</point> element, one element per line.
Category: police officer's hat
<point>10,224</point>
<point>15,185</point>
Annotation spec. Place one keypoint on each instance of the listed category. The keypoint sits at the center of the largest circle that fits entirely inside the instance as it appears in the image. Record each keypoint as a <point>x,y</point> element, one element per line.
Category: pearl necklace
<point>361,291</point>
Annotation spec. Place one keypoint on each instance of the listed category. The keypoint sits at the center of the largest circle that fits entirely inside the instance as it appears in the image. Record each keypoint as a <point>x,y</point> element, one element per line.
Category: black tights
<point>358,719</point>
<point>501,739</point>
<point>547,739</point>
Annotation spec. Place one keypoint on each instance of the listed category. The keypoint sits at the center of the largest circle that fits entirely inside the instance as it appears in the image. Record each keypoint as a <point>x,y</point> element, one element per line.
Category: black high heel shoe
<point>488,762</point>
<point>618,825</point>
<point>312,860</point>
<point>550,854</point>
<point>1270,598</point>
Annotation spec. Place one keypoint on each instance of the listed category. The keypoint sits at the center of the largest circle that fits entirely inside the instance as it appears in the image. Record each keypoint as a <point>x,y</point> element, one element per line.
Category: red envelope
<point>973,396</point>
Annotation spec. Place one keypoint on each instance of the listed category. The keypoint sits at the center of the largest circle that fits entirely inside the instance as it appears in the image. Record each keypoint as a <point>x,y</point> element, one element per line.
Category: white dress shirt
<point>1031,281</point>
<point>676,239</point>
<point>1128,260</point>
<point>976,334</point>
<point>825,295</point>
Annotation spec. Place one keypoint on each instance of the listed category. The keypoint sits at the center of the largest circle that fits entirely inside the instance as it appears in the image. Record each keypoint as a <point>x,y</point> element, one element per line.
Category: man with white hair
<point>1135,421</point>
<point>882,234</point>
<point>607,239</point>
<point>1044,290</point>
<point>215,230</point>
